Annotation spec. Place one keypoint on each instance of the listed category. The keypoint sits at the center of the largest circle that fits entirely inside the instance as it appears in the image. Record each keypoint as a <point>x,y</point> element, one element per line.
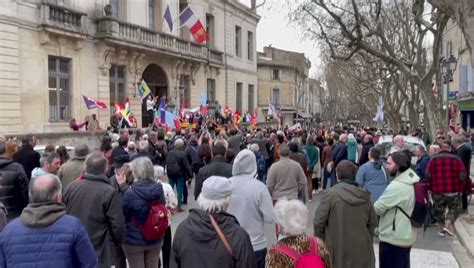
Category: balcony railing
<point>62,18</point>
<point>115,30</point>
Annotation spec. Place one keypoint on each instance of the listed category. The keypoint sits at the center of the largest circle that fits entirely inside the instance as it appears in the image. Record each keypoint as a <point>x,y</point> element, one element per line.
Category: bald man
<point>44,222</point>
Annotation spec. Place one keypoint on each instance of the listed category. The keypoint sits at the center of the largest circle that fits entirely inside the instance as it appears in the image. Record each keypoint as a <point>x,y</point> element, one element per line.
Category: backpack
<point>156,222</point>
<point>421,209</point>
<point>306,260</point>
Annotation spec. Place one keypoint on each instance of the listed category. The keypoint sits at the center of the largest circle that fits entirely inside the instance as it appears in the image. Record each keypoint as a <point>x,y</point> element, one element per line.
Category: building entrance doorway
<point>155,78</point>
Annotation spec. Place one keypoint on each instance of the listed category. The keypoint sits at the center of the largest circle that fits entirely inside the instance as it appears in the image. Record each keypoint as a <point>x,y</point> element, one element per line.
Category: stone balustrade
<point>61,18</point>
<point>115,30</point>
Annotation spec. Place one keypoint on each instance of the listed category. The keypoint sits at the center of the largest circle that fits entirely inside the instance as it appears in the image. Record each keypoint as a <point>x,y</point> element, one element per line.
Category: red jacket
<point>446,174</point>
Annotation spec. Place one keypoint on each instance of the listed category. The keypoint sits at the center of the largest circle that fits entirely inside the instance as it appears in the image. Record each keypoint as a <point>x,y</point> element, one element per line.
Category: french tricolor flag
<point>188,19</point>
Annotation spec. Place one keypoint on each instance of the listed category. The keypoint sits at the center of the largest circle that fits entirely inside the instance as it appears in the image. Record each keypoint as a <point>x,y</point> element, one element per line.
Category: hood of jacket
<point>201,228</point>
<point>5,162</point>
<point>408,177</point>
<point>42,214</point>
<point>244,163</point>
<point>147,189</point>
<point>38,172</point>
<point>351,194</point>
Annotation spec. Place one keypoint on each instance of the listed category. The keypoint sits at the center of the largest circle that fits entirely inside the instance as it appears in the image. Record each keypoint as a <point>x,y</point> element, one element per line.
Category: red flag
<point>177,123</point>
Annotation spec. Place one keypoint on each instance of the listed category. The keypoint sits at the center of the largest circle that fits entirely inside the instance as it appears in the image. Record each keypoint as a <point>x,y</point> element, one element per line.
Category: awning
<point>304,115</point>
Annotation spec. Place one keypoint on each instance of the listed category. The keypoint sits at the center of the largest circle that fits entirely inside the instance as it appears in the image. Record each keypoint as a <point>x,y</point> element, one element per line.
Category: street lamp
<point>448,66</point>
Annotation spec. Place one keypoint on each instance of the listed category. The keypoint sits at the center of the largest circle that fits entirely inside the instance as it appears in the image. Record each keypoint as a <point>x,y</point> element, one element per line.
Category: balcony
<point>62,20</point>
<point>122,33</point>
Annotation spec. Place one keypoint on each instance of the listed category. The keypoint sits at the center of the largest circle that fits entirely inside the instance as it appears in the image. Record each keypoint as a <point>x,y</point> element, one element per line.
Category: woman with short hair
<point>141,252</point>
<point>291,216</point>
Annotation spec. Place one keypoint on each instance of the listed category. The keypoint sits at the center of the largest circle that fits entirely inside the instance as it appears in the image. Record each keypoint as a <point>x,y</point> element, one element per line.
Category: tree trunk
<point>413,115</point>
<point>433,110</point>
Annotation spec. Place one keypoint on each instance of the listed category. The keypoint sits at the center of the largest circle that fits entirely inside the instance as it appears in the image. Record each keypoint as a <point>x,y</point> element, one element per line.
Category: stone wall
<point>66,138</point>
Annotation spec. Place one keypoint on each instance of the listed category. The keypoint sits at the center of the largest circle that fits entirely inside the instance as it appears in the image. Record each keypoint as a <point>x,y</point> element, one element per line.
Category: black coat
<point>13,187</point>
<point>465,153</point>
<point>98,206</point>
<point>177,164</point>
<point>28,158</point>
<point>118,151</point>
<point>196,243</point>
<point>217,167</point>
<point>364,155</point>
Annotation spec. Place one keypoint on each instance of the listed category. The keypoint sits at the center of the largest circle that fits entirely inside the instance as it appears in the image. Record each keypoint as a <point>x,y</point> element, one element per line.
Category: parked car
<point>40,150</point>
<point>410,143</point>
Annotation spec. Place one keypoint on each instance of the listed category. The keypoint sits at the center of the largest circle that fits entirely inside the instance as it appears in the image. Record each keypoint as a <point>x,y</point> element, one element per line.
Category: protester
<point>11,147</point>
<point>422,162</point>
<point>210,237</point>
<point>97,205</point>
<point>314,168</point>
<point>73,169</point>
<point>76,126</point>
<point>447,178</point>
<point>352,149</point>
<point>373,176</point>
<point>150,105</point>
<point>143,151</point>
<point>93,126</point>
<point>14,184</point>
<point>50,164</point>
<point>44,235</point>
<point>464,152</point>
<point>235,141</point>
<point>178,169</point>
<point>218,166</point>
<point>339,153</point>
<point>27,156</point>
<point>251,203</point>
<point>121,149</point>
<point>396,233</point>
<point>326,159</point>
<point>140,251</point>
<point>292,218</point>
<point>364,155</point>
<point>399,144</point>
<point>171,204</point>
<point>261,163</point>
<point>286,178</point>
<point>346,202</point>
<point>300,157</point>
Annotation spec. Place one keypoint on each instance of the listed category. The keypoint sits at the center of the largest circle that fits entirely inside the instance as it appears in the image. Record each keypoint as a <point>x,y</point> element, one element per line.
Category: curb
<point>466,240</point>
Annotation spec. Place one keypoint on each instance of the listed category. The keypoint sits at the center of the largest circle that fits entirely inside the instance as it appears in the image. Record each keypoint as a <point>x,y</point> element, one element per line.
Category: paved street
<point>430,250</point>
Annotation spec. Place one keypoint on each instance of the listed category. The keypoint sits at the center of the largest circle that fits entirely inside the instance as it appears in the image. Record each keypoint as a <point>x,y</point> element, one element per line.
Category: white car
<point>410,143</point>
<point>40,149</point>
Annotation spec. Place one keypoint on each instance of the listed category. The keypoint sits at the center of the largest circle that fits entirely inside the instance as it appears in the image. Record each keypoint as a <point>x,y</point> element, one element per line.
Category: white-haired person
<point>171,204</point>
<point>141,252</point>
<point>210,237</point>
<point>291,216</point>
<point>399,144</point>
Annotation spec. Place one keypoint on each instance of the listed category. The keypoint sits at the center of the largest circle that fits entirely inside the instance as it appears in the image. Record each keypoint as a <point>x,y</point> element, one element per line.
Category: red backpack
<point>306,260</point>
<point>156,222</point>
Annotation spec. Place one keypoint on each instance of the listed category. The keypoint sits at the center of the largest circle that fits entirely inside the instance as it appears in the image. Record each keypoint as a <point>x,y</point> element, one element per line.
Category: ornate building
<point>53,52</point>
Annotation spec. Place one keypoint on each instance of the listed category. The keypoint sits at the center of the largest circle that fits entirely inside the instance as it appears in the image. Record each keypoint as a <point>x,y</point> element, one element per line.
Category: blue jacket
<point>64,243</point>
<point>374,178</point>
<point>339,153</point>
<point>421,166</point>
<point>135,204</point>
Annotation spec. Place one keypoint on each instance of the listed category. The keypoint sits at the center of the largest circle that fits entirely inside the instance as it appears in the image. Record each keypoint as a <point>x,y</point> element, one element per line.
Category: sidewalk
<point>464,228</point>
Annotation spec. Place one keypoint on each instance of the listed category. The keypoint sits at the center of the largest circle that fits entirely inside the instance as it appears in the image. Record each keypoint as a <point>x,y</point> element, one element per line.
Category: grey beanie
<point>216,187</point>
<point>244,163</point>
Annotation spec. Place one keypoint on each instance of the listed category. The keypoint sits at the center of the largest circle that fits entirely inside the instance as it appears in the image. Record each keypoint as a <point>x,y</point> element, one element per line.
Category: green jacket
<point>400,192</point>
<point>313,155</point>
<point>352,150</point>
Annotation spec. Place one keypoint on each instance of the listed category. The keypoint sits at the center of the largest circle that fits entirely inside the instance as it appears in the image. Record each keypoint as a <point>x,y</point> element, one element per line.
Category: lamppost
<point>448,66</point>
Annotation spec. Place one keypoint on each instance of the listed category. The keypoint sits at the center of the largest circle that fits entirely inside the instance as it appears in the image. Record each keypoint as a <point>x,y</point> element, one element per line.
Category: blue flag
<point>168,19</point>
<point>162,109</point>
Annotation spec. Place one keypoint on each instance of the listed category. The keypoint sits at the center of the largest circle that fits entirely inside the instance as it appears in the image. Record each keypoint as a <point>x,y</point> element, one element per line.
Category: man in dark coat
<point>196,242</point>
<point>14,185</point>
<point>27,156</point>
<point>97,205</point>
<point>464,151</point>
<point>235,141</point>
<point>44,235</point>
<point>343,203</point>
<point>178,169</point>
<point>423,160</point>
<point>218,166</point>
<point>364,155</point>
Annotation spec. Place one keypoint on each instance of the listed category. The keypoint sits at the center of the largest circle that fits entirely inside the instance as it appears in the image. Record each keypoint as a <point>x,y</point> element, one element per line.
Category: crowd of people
<point>114,205</point>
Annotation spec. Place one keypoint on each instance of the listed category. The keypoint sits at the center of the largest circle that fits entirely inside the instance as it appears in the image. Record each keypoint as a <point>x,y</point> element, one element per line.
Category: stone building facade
<point>283,80</point>
<point>54,51</point>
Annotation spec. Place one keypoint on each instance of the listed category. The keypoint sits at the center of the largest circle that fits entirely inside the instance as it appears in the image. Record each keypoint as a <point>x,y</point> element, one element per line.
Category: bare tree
<point>396,34</point>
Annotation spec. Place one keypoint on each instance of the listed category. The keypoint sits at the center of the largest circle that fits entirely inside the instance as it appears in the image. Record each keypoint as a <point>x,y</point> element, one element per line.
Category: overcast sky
<point>274,29</point>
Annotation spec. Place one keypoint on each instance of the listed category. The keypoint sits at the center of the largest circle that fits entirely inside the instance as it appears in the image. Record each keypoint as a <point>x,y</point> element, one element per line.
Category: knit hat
<point>216,187</point>
<point>244,163</point>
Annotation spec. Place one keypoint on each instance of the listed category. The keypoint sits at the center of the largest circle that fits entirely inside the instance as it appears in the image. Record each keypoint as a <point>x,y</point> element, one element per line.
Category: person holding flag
<point>150,104</point>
